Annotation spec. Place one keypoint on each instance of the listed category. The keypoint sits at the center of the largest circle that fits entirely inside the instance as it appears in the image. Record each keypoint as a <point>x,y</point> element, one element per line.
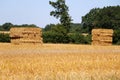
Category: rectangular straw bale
<point>102,31</point>
<point>101,43</point>
<point>107,31</point>
<point>15,31</point>
<point>15,41</point>
<point>30,41</point>
<point>102,36</point>
<point>109,39</point>
<point>105,39</point>
<point>106,35</point>
<point>95,43</point>
<point>106,43</point>
<point>26,35</point>
<point>95,38</point>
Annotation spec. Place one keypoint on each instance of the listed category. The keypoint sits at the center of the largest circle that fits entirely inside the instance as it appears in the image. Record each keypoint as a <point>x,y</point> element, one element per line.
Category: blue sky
<point>38,11</point>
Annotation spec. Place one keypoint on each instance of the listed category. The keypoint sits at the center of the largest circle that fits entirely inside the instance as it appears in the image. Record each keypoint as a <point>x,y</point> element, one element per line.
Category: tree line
<point>8,25</point>
<point>68,32</point>
<point>57,34</point>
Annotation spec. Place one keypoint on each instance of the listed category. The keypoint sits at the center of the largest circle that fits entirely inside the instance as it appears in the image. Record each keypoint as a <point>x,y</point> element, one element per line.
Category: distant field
<point>59,62</point>
<point>4,32</point>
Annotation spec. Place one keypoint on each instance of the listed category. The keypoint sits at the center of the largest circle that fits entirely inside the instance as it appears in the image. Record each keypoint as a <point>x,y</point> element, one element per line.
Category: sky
<point>38,11</point>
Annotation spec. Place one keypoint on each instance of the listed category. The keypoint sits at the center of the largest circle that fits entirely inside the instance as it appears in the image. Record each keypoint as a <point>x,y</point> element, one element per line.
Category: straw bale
<point>106,39</point>
<point>95,43</point>
<point>26,35</point>
<point>105,43</point>
<point>15,41</point>
<point>30,41</point>
<point>106,35</point>
<point>102,36</point>
<point>15,31</point>
<point>31,32</point>
<point>101,43</point>
<point>102,31</point>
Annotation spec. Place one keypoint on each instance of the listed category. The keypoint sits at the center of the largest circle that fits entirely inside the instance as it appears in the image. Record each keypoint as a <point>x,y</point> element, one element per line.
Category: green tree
<point>57,34</point>
<point>6,26</point>
<point>116,37</point>
<point>61,12</point>
<point>78,38</point>
<point>89,20</point>
<point>4,38</point>
<point>48,27</point>
<point>107,17</point>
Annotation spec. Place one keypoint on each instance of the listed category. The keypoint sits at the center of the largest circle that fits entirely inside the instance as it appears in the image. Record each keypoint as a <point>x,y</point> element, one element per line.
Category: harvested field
<point>59,62</point>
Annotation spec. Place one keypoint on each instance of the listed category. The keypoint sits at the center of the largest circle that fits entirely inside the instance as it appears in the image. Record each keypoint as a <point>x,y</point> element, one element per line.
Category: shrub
<point>116,37</point>
<point>53,37</point>
<point>79,38</point>
<point>4,38</point>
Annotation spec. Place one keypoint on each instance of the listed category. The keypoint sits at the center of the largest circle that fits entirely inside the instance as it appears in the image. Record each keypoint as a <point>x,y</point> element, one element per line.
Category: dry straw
<point>102,37</point>
<point>26,35</point>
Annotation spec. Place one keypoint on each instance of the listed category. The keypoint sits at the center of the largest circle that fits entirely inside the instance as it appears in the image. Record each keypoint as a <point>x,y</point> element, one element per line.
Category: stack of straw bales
<point>26,35</point>
<point>102,37</point>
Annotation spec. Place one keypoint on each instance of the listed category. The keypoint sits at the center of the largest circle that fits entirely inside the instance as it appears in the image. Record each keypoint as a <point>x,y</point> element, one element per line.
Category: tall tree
<point>61,13</point>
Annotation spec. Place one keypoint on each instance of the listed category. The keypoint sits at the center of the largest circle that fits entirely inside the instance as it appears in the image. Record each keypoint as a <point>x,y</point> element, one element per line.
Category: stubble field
<point>59,62</point>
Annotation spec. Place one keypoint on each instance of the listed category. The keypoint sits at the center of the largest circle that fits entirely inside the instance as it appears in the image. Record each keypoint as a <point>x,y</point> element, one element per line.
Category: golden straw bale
<point>26,35</point>
<point>106,43</point>
<point>106,39</point>
<point>102,31</point>
<point>102,36</point>
<point>106,34</point>
<point>101,43</point>
<point>30,41</point>
<point>15,41</point>
<point>95,43</point>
